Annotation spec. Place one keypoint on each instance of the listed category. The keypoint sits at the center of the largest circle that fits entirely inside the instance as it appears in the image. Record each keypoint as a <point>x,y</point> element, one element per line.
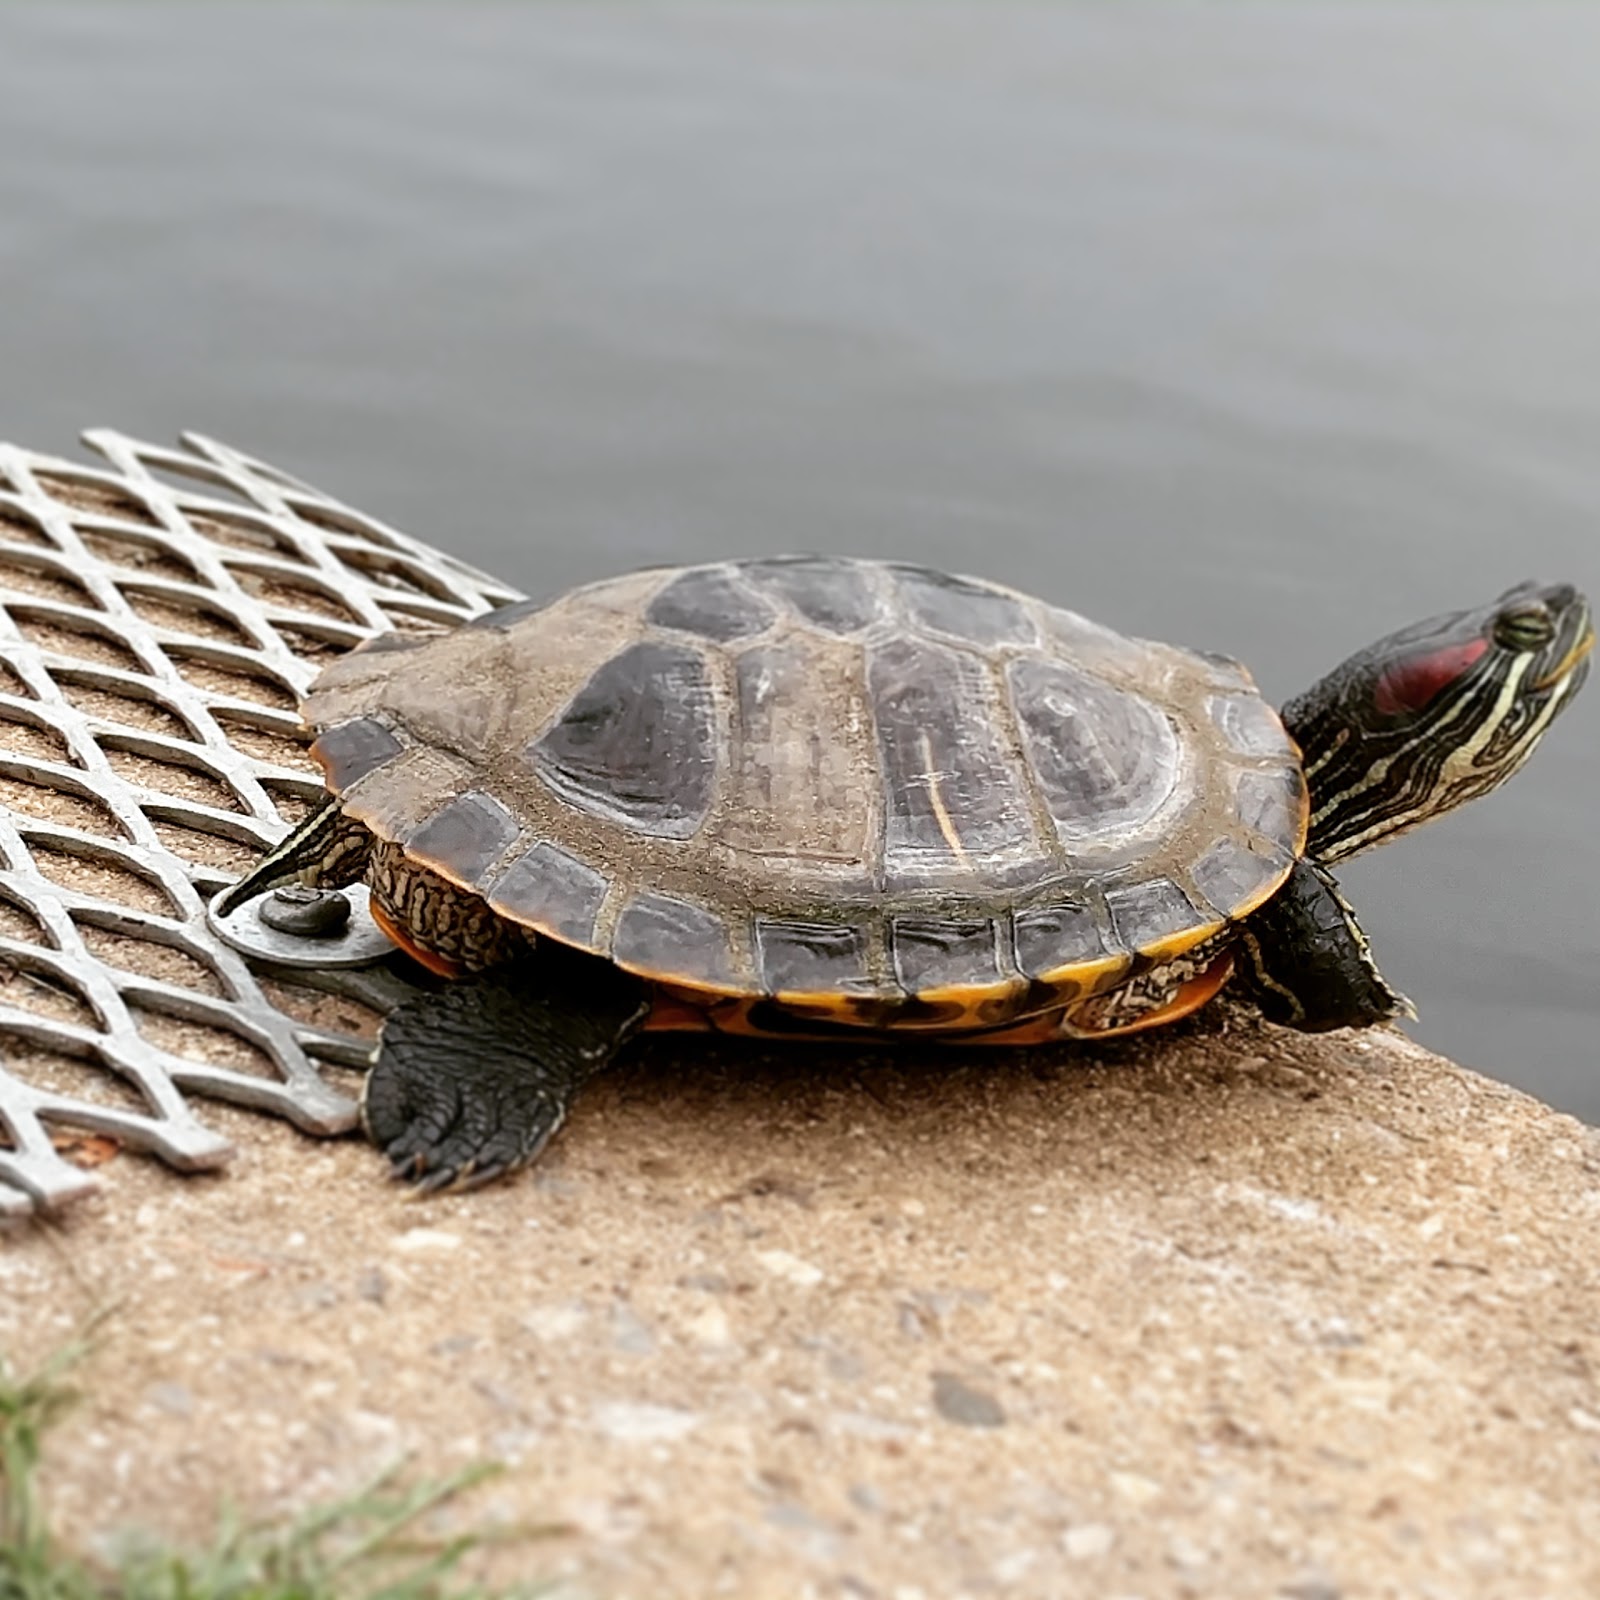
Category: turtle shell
<point>864,789</point>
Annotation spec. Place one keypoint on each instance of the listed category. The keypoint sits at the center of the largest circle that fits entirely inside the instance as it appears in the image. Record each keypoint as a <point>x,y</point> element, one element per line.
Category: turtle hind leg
<point>473,1080</point>
<point>327,851</point>
<point>1305,962</point>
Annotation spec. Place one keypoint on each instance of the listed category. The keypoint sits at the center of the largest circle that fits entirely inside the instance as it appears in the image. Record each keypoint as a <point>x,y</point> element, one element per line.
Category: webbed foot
<point>1307,964</point>
<point>473,1080</point>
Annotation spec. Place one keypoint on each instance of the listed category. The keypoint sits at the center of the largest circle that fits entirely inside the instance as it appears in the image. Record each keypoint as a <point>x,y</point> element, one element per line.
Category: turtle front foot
<point>1308,965</point>
<point>472,1082</point>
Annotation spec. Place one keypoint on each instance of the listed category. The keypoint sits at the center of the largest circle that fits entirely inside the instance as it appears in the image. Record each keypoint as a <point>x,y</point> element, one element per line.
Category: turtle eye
<point>1528,626</point>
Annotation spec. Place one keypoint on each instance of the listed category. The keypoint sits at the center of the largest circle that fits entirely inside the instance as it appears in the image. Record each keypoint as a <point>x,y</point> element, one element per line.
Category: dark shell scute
<point>1105,759</point>
<point>1049,938</point>
<point>834,595</point>
<point>707,601</point>
<point>941,953</point>
<point>1230,876</point>
<point>552,889</point>
<point>464,838</point>
<point>351,750</point>
<point>952,797</point>
<point>663,935</point>
<point>964,609</point>
<point>635,744</point>
<point>1145,913</point>
<point>811,958</point>
<point>506,617</point>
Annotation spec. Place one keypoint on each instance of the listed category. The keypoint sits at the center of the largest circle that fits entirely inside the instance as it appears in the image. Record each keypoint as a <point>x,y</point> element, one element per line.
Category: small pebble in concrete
<point>864,1426</point>
<point>790,1268</point>
<point>819,1536</point>
<point>1134,1487</point>
<point>173,1398</point>
<point>865,1498</point>
<point>1088,1540</point>
<point>427,1241</point>
<point>558,1320</point>
<point>710,1326</point>
<point>1013,1566</point>
<point>705,1282</point>
<point>957,1401</point>
<point>629,1334</point>
<point>1185,1554</point>
<point>845,1366</point>
<point>642,1423</point>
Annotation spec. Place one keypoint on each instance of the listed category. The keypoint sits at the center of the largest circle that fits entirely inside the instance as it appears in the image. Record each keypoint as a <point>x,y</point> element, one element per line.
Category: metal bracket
<point>261,928</point>
<point>159,618</point>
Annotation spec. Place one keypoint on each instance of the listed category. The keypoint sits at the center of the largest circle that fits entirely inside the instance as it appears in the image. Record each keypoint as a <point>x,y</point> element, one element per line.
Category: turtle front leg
<point>473,1080</point>
<point>1307,964</point>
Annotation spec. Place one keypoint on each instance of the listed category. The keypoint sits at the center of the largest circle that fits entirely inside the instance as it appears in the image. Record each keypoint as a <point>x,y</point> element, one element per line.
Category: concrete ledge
<point>1232,1312</point>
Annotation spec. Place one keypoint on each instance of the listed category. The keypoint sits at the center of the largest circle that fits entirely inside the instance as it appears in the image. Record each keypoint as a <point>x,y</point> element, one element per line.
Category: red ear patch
<point>1410,685</point>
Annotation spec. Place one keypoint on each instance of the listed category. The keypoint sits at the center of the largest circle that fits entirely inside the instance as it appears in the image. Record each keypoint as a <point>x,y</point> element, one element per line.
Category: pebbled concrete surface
<point>1229,1313</point>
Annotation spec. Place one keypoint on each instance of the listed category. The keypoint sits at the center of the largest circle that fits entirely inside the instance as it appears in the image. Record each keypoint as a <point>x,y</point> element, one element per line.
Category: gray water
<point>1266,329</point>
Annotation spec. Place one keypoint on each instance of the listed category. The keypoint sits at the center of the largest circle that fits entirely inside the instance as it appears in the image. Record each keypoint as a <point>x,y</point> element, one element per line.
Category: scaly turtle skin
<point>811,795</point>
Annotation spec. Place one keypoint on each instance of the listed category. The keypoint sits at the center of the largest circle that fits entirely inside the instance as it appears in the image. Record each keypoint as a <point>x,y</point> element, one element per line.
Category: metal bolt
<point>308,913</point>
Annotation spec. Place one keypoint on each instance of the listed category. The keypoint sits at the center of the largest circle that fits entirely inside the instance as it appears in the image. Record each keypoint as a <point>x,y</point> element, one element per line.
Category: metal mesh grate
<point>158,621</point>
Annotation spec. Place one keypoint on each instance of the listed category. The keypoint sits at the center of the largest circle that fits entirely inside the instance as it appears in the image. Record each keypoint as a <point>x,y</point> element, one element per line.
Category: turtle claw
<point>412,1168</point>
<point>444,1132</point>
<point>424,1182</point>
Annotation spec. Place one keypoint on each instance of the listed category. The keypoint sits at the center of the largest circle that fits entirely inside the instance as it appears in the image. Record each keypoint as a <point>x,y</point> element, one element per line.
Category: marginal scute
<point>1225,670</point>
<point>1233,878</point>
<point>1249,725</point>
<point>1147,913</point>
<point>546,887</point>
<point>1270,805</point>
<point>932,953</point>
<point>811,958</point>
<point>1049,938</point>
<point>349,751</point>
<point>1107,761</point>
<point>837,596</point>
<point>665,937</point>
<point>635,743</point>
<point>399,797</point>
<point>953,797</point>
<point>963,608</point>
<point>464,837</point>
<point>707,601</point>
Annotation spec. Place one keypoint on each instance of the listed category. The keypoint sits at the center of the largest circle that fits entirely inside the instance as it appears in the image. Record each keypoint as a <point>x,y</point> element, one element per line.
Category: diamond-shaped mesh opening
<point>158,622</point>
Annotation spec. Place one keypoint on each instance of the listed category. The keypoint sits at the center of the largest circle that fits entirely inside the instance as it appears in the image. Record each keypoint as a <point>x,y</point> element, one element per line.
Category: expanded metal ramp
<point>159,617</point>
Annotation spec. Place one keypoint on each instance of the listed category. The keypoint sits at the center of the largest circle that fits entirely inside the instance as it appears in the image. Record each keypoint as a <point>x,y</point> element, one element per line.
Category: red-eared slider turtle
<point>813,795</point>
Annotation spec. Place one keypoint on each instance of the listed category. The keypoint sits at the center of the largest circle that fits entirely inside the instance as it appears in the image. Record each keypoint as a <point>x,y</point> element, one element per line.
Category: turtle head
<point>1436,714</point>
